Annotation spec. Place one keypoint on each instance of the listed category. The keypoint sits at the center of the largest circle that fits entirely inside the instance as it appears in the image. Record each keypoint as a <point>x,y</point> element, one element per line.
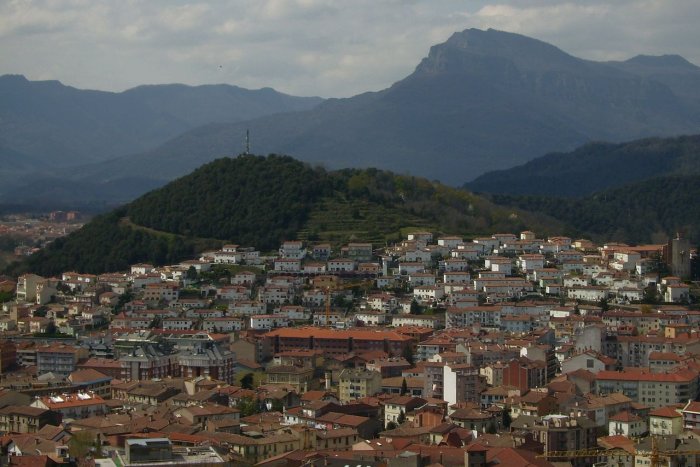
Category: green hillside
<point>595,167</point>
<point>646,211</point>
<point>261,201</point>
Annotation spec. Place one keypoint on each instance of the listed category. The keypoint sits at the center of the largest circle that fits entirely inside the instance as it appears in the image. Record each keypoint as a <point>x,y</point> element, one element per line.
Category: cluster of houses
<point>506,349</point>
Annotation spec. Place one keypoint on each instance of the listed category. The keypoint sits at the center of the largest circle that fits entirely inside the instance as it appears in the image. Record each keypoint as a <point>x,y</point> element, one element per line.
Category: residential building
<point>396,408</point>
<point>59,359</point>
<point>338,342</point>
<point>653,389</point>
<point>665,421</point>
<point>78,405</point>
<point>358,383</point>
<point>627,424</point>
<point>23,419</point>
<point>300,378</point>
<point>462,383</point>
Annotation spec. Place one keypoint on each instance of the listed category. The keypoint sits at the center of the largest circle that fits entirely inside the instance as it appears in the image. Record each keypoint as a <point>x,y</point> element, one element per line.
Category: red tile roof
<point>319,333</point>
<point>665,412</point>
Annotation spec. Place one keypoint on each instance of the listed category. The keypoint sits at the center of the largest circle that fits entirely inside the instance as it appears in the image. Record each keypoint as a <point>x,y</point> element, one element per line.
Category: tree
<point>404,387</point>
<point>650,295</point>
<point>192,273</point>
<point>408,353</point>
<point>248,406</point>
<point>247,381</point>
<point>51,328</point>
<point>415,307</point>
<point>401,418</point>
<point>507,419</point>
<point>82,444</point>
<point>277,406</point>
<point>391,426</point>
<point>603,304</point>
<point>6,296</point>
<point>491,428</point>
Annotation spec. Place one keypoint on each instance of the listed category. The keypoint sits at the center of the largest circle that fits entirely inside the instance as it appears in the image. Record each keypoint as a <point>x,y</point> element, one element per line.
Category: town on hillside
<point>503,350</point>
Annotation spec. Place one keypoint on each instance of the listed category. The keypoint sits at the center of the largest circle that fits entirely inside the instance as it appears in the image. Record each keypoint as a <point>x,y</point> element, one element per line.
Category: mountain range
<point>481,101</point>
<point>46,126</point>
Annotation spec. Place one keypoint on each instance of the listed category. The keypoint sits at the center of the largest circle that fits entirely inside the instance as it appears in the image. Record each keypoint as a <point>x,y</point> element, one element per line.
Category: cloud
<point>308,47</point>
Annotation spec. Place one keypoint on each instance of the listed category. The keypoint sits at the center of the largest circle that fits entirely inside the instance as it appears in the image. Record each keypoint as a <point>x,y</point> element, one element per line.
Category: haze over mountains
<point>595,167</point>
<point>483,100</point>
<point>45,125</point>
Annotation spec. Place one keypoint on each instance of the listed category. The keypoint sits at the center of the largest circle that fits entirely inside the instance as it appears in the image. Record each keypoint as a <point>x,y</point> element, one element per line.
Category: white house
<point>417,256</point>
<point>178,324</point>
<point>408,268</point>
<point>223,324</point>
<point>421,278</point>
<point>246,307</point>
<point>455,265</point>
<point>470,254</point>
<point>288,265</point>
<point>258,322</point>
<point>227,257</point>
<point>341,265</point>
<point>456,277</point>
<point>292,249</point>
<point>626,424</point>
<point>274,294</point>
<point>676,293</point>
<point>141,268</point>
<point>590,293</point>
<point>233,292</point>
<point>245,278</point>
<point>371,318</point>
<point>415,320</point>
<point>294,312</point>
<point>529,263</point>
<point>429,293</point>
<point>450,241</point>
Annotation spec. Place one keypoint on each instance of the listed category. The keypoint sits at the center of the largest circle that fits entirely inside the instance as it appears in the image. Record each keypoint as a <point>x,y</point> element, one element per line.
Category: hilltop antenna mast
<point>247,142</point>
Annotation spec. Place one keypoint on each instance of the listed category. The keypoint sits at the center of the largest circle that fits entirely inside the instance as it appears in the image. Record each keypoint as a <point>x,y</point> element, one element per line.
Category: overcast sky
<point>330,48</point>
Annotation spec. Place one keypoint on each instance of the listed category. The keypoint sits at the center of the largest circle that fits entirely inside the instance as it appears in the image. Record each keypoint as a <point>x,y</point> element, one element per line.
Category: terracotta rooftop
<point>665,412</point>
<point>319,333</point>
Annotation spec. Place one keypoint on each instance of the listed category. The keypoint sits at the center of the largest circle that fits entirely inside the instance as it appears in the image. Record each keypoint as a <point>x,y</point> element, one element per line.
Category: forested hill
<point>595,167</point>
<point>647,211</point>
<point>261,201</point>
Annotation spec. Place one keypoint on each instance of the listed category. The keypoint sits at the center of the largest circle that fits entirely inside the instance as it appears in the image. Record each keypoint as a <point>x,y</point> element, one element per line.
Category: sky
<point>328,48</point>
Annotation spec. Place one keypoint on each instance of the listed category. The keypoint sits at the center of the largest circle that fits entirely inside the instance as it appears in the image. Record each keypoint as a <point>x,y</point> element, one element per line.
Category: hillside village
<point>441,351</point>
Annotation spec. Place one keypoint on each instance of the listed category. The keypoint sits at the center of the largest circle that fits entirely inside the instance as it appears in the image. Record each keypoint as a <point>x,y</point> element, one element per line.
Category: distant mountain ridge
<point>47,125</point>
<point>480,101</point>
<point>595,167</point>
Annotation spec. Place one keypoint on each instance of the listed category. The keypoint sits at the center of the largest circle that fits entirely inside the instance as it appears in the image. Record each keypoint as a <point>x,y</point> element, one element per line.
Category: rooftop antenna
<point>247,142</point>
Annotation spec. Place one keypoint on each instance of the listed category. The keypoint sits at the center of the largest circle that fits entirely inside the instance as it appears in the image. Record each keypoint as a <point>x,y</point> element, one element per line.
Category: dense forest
<point>648,211</point>
<point>254,201</point>
<point>595,167</point>
<point>261,201</point>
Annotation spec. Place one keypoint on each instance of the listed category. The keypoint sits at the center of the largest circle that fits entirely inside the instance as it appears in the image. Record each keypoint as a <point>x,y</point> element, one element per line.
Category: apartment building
<point>652,389</point>
<point>59,358</point>
<point>355,383</point>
